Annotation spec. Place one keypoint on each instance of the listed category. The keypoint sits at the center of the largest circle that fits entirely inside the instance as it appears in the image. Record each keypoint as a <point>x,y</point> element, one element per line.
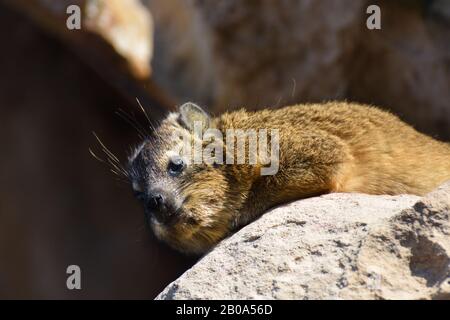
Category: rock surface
<point>337,246</point>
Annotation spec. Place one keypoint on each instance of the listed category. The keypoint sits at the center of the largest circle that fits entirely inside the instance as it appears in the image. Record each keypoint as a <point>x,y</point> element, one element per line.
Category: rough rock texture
<point>228,54</point>
<point>408,256</point>
<point>337,246</point>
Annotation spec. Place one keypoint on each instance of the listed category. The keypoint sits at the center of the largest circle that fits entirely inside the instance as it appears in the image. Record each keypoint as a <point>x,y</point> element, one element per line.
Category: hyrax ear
<point>190,113</point>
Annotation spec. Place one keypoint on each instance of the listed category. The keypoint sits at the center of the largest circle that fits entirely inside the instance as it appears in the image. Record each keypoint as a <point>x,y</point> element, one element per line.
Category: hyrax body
<point>323,148</point>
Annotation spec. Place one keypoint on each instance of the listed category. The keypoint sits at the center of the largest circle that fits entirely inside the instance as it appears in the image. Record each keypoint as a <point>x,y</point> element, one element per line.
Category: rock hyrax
<point>331,147</point>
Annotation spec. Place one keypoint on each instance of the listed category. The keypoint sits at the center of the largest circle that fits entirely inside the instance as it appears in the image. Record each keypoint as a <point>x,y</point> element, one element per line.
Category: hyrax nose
<point>156,202</point>
<point>158,206</point>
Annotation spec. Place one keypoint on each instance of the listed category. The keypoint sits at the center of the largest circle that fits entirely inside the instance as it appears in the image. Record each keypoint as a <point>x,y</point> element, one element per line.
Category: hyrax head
<point>183,199</point>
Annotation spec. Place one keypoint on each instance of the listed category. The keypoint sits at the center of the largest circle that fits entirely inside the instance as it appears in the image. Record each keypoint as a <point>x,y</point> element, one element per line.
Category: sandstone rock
<point>337,246</point>
<point>408,256</point>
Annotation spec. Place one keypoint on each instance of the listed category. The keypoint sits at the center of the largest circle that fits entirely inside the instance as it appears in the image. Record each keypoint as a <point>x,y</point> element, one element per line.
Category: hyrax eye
<point>176,166</point>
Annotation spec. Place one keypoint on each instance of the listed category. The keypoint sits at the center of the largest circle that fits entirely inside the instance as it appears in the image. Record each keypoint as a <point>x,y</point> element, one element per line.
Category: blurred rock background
<point>267,53</point>
<point>58,206</point>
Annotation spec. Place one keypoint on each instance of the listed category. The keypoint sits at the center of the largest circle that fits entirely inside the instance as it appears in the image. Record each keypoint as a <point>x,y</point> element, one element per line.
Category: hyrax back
<point>332,147</point>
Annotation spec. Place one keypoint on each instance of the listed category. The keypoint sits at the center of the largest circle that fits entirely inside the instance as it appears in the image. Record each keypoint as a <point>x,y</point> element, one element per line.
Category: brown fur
<point>332,147</point>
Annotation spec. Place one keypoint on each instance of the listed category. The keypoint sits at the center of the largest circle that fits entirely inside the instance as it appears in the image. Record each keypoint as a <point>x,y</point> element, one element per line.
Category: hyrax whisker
<point>95,156</point>
<point>118,168</point>
<point>105,148</point>
<point>111,160</point>
<point>145,114</point>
